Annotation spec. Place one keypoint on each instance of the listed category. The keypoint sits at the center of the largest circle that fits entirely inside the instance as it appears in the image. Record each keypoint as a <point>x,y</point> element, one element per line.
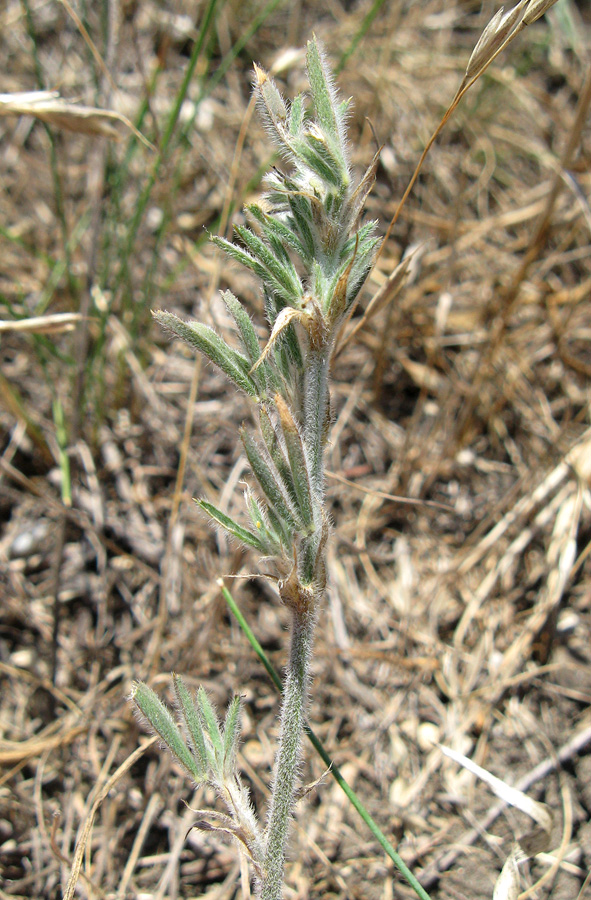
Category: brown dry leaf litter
<point>465,622</point>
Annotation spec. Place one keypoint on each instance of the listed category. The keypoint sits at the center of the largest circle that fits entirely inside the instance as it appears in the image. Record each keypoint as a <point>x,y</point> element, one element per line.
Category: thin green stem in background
<point>360,34</point>
<point>166,137</point>
<point>235,51</point>
<point>184,140</point>
<point>319,747</point>
<point>116,180</point>
<point>57,182</point>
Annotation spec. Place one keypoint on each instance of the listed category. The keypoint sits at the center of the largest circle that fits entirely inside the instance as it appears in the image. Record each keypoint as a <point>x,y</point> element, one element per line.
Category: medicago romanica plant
<point>312,254</point>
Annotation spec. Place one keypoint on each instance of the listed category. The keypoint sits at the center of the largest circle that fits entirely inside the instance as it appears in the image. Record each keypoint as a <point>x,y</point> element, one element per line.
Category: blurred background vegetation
<point>462,617</point>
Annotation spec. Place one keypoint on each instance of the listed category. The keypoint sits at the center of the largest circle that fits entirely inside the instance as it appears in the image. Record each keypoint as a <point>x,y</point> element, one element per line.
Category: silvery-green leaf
<point>316,417</point>
<point>161,720</point>
<point>276,453</point>
<point>231,735</point>
<point>300,212</point>
<point>344,108</point>
<point>240,255</point>
<point>323,93</point>
<point>271,102</point>
<point>191,721</point>
<point>247,259</point>
<point>289,341</point>
<point>268,537</point>
<point>210,724</point>
<point>274,228</point>
<point>357,241</point>
<point>207,341</point>
<point>317,162</point>
<point>232,527</point>
<point>361,269</point>
<point>361,250</point>
<point>296,114</point>
<point>282,271</point>
<point>297,460</point>
<point>318,143</point>
<point>283,529</point>
<point>244,324</point>
<point>272,489</point>
<point>277,247</point>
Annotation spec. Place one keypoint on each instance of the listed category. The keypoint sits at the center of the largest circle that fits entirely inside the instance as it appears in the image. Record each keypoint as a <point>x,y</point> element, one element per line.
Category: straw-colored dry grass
<point>466,621</point>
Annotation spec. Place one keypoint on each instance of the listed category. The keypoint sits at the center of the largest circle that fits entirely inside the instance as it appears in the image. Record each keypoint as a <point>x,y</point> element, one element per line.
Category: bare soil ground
<point>464,618</point>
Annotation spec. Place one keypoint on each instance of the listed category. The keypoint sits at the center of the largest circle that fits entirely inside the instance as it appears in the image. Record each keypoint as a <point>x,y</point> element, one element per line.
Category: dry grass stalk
<point>49,107</point>
<point>50,324</point>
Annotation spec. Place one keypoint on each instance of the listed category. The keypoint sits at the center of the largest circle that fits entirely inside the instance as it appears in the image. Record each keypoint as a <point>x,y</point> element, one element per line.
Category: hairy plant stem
<point>288,755</point>
<point>317,405</point>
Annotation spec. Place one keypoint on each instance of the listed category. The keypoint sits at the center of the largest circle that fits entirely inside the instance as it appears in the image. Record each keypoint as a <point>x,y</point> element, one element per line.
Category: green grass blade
<point>53,160</point>
<point>241,43</point>
<point>61,436</point>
